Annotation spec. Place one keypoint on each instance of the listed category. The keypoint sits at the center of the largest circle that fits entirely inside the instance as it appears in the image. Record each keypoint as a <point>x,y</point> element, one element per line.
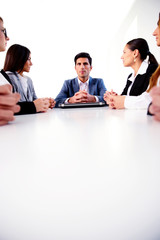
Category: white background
<point>55,31</point>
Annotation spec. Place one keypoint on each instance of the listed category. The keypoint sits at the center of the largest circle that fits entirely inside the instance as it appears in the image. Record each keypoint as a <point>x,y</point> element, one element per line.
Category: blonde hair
<point>154,79</point>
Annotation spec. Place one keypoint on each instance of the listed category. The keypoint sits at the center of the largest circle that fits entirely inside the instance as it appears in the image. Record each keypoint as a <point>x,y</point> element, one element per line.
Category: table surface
<point>80,174</point>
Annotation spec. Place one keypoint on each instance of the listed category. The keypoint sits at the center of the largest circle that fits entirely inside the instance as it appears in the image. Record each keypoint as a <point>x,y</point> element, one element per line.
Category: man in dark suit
<point>83,88</point>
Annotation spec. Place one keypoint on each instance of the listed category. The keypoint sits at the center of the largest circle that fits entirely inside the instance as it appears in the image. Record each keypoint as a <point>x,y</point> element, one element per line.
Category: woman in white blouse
<point>136,55</point>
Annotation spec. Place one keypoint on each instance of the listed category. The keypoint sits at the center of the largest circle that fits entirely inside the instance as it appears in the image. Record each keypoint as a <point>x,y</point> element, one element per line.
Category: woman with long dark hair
<point>18,61</point>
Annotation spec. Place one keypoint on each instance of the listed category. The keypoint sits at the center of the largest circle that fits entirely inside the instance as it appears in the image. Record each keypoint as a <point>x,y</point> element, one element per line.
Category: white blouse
<point>139,102</point>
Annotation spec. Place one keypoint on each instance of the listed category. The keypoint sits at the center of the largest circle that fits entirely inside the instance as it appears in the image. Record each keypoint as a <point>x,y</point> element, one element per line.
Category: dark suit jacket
<point>141,82</point>
<point>70,87</point>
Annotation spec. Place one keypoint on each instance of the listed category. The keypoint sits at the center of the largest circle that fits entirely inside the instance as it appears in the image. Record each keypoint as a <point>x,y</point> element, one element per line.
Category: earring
<point>134,59</point>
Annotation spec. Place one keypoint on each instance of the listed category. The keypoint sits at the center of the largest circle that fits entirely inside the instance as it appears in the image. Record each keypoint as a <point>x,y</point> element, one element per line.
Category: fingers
<point>5,89</point>
<point>81,93</point>
<point>42,104</point>
<point>111,103</point>
<point>115,102</point>
<point>156,100</point>
<point>113,93</point>
<point>45,104</point>
<point>155,90</point>
<point>81,96</point>
<point>9,99</point>
<point>107,94</point>
<point>3,122</point>
<point>154,110</point>
<point>16,108</point>
<point>155,94</point>
<point>8,105</point>
<point>52,103</point>
<point>17,96</point>
<point>6,116</point>
<point>108,98</point>
<point>155,106</point>
<point>157,116</point>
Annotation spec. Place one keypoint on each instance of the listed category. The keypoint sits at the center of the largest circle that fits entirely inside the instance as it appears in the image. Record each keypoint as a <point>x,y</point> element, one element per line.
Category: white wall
<point>56,30</point>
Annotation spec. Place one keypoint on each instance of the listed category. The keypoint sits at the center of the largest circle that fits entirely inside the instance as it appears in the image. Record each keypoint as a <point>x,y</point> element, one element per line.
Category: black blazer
<point>141,82</point>
<point>26,107</point>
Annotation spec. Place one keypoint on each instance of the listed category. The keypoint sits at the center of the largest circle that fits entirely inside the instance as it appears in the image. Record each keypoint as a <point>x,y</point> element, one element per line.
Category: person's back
<point>8,100</point>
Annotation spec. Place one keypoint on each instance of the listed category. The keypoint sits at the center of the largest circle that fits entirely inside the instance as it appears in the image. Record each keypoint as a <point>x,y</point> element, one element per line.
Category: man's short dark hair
<point>83,55</point>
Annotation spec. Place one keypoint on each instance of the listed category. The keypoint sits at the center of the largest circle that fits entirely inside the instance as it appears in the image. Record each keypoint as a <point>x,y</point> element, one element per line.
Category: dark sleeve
<point>26,108</point>
<point>148,112</point>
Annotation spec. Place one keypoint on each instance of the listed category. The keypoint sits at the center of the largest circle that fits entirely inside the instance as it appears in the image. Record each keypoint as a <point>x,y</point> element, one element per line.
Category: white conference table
<point>80,174</point>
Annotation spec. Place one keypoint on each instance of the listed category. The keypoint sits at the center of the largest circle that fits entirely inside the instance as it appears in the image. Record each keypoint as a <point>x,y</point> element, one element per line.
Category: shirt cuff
<point>137,102</point>
<point>66,101</point>
<point>97,99</point>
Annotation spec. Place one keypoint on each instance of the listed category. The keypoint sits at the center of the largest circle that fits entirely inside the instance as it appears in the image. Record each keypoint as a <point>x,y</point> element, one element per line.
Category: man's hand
<point>82,97</point>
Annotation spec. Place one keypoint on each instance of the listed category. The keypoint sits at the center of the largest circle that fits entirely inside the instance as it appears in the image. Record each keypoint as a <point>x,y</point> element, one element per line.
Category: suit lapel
<point>137,85</point>
<point>128,84</point>
<point>91,89</point>
<point>75,85</point>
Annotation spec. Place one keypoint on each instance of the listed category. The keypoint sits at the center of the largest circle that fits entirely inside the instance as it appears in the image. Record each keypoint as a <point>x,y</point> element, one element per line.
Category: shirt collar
<point>143,67</point>
<point>141,70</point>
<point>80,82</point>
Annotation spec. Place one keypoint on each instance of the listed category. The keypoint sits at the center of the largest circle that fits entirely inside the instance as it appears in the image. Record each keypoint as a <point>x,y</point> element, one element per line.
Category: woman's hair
<point>1,19</point>
<point>158,23</point>
<point>16,58</point>
<point>142,46</point>
<point>154,78</point>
